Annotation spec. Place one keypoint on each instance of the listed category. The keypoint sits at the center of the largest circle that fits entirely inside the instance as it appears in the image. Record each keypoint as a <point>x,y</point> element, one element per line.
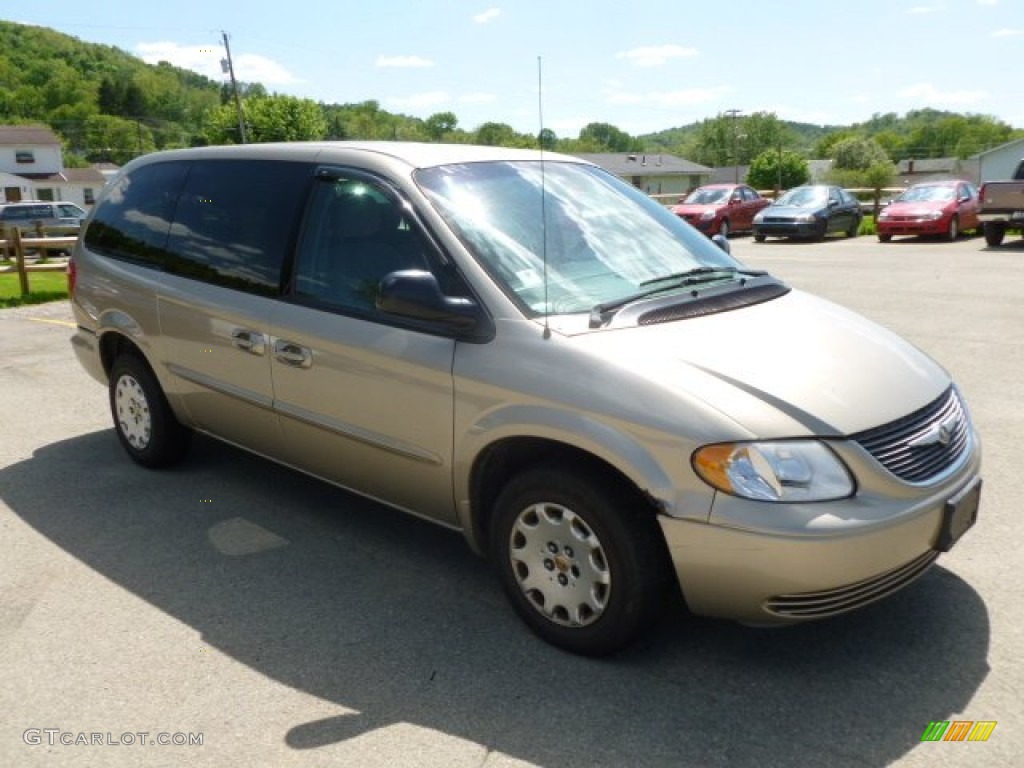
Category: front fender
<point>653,463</point>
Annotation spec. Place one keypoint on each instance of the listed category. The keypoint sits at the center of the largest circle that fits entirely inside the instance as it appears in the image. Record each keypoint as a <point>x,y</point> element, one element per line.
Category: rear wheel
<point>995,231</point>
<point>724,229</point>
<point>884,238</point>
<point>582,564</point>
<point>759,238</point>
<point>143,420</point>
<point>854,229</point>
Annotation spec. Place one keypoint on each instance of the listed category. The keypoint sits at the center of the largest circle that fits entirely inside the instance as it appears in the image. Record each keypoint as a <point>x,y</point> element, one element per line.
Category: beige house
<point>655,174</point>
<point>32,168</point>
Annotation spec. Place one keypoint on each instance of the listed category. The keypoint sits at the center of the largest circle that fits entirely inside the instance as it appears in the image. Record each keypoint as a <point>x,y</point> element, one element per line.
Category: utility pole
<point>735,155</point>
<point>227,66</point>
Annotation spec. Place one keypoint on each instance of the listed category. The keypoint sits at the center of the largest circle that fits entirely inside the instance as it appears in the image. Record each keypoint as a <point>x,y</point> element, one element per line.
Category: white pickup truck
<point>1001,206</point>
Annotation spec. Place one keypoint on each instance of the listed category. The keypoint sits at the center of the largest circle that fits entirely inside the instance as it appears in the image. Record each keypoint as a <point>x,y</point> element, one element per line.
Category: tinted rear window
<point>133,219</point>
<point>233,222</point>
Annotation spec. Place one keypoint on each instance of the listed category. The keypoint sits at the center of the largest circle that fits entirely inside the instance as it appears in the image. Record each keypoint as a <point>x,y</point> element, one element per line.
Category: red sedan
<point>944,208</point>
<point>721,209</point>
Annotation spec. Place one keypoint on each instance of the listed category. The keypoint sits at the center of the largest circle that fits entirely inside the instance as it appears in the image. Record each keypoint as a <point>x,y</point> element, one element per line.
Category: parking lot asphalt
<point>282,622</point>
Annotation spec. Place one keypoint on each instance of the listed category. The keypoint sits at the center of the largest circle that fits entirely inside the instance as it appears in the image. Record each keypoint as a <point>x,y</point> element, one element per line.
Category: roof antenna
<point>543,196</point>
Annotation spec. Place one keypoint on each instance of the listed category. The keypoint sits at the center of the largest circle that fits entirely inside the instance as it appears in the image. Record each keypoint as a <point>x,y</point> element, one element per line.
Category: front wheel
<point>759,238</point>
<point>884,238</point>
<point>143,420</point>
<point>582,564</point>
<point>954,228</point>
<point>724,229</point>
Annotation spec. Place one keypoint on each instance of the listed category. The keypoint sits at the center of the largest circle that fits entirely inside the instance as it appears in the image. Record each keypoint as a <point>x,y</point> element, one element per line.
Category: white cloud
<point>655,55</point>
<point>487,16</point>
<point>932,96</point>
<point>1008,33</point>
<point>421,100</point>
<point>206,60</point>
<point>404,62</point>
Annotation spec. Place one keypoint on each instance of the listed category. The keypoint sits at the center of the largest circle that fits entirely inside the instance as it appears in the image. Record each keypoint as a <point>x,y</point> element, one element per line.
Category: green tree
<point>115,139</point>
<point>497,135</point>
<point>607,138</point>
<point>440,124</point>
<point>773,169</point>
<point>547,140</point>
<point>272,118</point>
<point>858,154</point>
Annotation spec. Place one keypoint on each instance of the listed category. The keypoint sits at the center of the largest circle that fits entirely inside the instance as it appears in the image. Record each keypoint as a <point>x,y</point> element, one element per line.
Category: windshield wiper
<point>702,275</point>
<point>693,276</point>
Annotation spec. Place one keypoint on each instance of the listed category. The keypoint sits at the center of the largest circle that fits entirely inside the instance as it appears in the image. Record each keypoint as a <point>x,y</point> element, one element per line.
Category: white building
<point>32,168</point>
<point>999,163</point>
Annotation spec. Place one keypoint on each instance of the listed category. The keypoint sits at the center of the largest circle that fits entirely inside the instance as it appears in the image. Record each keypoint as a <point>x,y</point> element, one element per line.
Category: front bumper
<point>784,578</point>
<point>788,228</point>
<point>916,227</point>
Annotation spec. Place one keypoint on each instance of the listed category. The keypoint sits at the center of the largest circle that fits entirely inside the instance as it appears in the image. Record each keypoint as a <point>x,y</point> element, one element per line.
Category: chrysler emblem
<point>937,434</point>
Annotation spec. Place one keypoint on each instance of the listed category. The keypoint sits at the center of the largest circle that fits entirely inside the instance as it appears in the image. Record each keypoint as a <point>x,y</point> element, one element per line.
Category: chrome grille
<point>815,605</point>
<point>924,444</point>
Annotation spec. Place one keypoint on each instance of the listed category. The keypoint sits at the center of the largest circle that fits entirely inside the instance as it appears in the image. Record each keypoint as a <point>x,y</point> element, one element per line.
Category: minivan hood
<point>824,369</point>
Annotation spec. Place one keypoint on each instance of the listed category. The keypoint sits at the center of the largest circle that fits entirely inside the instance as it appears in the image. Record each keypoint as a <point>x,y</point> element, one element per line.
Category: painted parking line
<point>50,321</point>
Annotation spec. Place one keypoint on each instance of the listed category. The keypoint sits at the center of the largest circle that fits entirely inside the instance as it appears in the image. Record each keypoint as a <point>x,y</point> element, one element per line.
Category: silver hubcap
<point>560,565</point>
<point>133,417</point>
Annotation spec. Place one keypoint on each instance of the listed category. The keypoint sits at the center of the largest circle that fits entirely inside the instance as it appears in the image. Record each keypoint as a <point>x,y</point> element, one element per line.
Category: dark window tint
<point>354,235</point>
<point>132,220</point>
<point>233,222</point>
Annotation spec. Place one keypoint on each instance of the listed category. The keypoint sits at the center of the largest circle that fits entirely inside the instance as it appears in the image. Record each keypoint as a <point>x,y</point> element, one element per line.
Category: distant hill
<point>664,141</point>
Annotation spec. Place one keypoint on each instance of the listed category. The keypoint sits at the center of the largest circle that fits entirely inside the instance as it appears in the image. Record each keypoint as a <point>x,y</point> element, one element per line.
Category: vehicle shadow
<point>394,618</point>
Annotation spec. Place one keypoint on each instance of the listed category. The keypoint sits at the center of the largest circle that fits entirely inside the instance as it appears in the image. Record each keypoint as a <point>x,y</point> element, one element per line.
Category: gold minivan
<point>524,348</point>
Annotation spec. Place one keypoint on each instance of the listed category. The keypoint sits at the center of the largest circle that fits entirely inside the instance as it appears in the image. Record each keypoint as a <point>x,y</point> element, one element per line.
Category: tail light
<point>981,193</point>
<point>72,276</point>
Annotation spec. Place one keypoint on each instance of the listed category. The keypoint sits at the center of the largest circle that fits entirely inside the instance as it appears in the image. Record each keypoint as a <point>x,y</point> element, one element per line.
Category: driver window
<point>354,236</point>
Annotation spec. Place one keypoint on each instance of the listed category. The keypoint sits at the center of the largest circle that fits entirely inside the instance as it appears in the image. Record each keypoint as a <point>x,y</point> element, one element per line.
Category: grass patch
<point>867,226</point>
<point>43,287</point>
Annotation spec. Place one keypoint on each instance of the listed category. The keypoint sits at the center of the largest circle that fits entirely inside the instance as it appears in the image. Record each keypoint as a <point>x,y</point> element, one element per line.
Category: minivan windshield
<point>565,237</point>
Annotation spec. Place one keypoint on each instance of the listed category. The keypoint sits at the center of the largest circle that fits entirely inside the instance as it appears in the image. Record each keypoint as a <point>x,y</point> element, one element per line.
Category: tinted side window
<point>233,222</point>
<point>132,220</point>
<point>354,235</point>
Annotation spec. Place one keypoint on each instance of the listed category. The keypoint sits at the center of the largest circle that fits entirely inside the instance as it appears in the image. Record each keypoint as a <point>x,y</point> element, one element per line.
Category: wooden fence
<point>40,241</point>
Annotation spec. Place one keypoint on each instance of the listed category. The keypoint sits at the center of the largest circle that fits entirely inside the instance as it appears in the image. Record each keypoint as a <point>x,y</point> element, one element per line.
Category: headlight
<point>707,215</point>
<point>883,215</point>
<point>791,470</point>
<point>933,215</point>
<point>758,218</point>
<point>805,217</point>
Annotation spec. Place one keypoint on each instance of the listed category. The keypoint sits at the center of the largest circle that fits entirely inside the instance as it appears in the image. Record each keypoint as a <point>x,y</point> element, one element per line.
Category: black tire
<point>759,238</point>
<point>995,231</point>
<point>884,238</point>
<point>143,420</point>
<point>954,228</point>
<point>820,232</point>
<point>581,563</point>
<point>854,230</point>
<point>724,229</point>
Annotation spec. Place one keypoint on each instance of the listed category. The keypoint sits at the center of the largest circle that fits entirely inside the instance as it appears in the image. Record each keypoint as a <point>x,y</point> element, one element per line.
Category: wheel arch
<point>504,458</point>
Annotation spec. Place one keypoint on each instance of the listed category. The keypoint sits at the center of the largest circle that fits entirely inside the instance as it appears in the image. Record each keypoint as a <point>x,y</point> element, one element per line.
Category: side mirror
<point>415,294</point>
<point>721,242</point>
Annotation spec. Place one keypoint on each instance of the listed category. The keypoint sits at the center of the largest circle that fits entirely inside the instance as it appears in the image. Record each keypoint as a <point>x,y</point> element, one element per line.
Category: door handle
<point>249,341</point>
<point>293,354</point>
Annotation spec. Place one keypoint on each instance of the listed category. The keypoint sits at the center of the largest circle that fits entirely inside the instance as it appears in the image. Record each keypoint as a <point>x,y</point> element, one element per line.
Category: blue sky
<point>641,65</point>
